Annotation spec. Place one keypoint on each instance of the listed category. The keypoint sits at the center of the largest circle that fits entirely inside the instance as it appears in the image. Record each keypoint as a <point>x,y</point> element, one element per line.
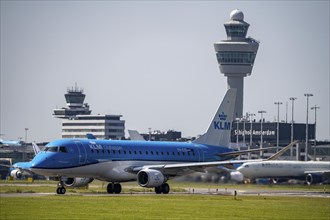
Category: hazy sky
<point>154,62</point>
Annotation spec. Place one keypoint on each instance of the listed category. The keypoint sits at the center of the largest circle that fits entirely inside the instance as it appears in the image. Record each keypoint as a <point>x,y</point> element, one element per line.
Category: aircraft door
<point>200,155</point>
<point>82,153</point>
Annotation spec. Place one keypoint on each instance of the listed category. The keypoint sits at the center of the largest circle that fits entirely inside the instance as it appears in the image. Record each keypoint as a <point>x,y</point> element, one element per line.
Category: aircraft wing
<point>175,169</point>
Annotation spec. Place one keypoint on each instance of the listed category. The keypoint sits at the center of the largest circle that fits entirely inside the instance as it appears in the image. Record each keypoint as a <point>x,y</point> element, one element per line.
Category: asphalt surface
<point>191,191</point>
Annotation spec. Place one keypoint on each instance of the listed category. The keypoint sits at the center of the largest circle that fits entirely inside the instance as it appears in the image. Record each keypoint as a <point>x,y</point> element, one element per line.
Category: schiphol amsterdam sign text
<point>255,132</point>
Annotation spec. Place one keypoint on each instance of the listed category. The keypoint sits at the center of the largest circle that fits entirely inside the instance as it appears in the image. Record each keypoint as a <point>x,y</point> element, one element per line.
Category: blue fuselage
<point>69,153</point>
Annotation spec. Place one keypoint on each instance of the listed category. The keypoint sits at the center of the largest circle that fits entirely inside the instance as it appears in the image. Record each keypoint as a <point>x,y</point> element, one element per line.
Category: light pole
<point>315,109</point>
<point>292,122</point>
<point>306,143</point>
<point>243,118</point>
<point>26,130</point>
<point>237,132</point>
<point>261,112</point>
<point>278,123</point>
<point>250,145</point>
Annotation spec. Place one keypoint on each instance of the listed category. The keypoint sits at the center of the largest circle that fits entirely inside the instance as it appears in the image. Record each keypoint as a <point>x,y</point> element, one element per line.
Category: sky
<point>154,62</point>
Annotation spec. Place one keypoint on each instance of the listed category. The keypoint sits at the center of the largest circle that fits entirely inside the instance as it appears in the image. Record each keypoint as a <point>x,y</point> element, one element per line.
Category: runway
<point>192,191</point>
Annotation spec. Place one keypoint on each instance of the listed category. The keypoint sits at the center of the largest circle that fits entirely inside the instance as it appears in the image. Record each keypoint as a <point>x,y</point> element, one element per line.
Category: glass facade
<point>236,57</point>
<point>236,30</point>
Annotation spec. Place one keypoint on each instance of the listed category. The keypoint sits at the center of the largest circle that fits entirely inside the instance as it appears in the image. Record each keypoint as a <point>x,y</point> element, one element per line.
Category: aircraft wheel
<point>61,190</point>
<point>158,189</point>
<point>117,188</point>
<point>165,188</point>
<point>110,188</point>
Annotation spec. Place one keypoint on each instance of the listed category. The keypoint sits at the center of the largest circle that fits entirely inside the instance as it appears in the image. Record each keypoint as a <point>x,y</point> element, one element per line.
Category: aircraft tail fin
<point>219,131</point>
<point>135,135</point>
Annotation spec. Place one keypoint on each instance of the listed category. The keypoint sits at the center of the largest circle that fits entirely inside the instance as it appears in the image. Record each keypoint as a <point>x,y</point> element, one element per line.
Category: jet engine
<point>150,178</point>
<point>314,178</point>
<point>16,173</point>
<point>236,176</point>
<point>77,182</point>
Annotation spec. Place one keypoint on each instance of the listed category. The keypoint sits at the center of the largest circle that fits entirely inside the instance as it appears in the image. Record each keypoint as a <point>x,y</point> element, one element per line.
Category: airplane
<point>229,172</point>
<point>310,171</point>
<point>10,143</point>
<point>77,162</point>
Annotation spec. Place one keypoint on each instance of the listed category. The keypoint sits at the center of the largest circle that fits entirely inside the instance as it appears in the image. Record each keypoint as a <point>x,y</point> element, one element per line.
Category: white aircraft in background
<point>310,171</point>
<point>230,172</point>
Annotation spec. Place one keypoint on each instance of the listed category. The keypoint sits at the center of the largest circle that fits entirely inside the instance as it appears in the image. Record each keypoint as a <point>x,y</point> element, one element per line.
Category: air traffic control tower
<point>75,101</point>
<point>236,55</point>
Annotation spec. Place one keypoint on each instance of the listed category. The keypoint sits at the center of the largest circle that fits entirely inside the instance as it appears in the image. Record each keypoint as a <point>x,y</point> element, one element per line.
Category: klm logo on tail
<point>222,124</point>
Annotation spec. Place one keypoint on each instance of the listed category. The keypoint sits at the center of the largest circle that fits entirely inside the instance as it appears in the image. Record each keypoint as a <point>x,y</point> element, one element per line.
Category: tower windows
<point>236,57</point>
<point>236,30</point>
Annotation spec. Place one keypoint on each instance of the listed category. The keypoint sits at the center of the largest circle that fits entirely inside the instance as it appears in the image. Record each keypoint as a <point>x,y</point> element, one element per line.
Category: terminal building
<point>101,126</point>
<point>77,119</point>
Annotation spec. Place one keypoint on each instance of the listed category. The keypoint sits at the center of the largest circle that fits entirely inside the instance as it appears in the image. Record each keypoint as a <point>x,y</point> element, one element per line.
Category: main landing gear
<point>60,188</point>
<point>164,188</point>
<point>114,188</point>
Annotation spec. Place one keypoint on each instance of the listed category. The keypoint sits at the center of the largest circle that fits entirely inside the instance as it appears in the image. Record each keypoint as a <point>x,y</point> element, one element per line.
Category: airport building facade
<point>101,126</point>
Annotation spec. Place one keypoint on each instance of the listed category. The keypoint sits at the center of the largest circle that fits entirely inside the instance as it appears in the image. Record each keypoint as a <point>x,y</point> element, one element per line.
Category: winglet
<point>35,147</point>
<point>219,131</point>
<point>282,151</point>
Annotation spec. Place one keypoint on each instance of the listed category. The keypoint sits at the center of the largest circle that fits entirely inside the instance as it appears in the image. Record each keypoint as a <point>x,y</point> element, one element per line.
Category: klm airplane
<point>77,162</point>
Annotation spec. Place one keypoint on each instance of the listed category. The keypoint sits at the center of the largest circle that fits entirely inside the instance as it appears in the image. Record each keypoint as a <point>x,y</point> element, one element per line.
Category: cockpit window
<point>51,149</point>
<point>56,149</point>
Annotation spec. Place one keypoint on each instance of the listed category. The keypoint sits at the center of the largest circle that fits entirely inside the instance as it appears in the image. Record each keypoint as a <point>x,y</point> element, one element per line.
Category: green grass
<point>163,207</point>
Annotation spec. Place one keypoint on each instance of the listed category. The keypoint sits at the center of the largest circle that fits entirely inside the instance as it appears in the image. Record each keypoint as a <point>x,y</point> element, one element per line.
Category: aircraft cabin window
<point>152,152</point>
<point>124,151</point>
<point>108,151</point>
<point>114,152</point>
